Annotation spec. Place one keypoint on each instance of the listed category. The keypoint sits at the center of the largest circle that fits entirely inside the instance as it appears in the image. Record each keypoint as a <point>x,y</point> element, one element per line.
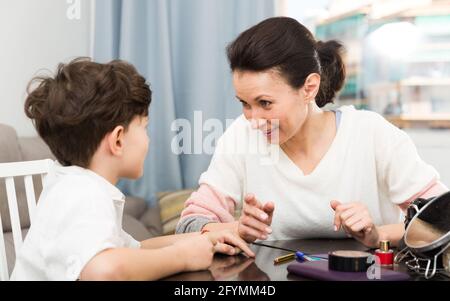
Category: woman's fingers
<point>338,208</point>
<point>269,208</point>
<point>256,213</point>
<point>224,249</point>
<point>337,219</point>
<point>347,214</point>
<point>255,208</point>
<point>251,222</point>
<point>249,233</point>
<point>359,226</point>
<point>353,217</point>
<point>251,200</point>
<point>255,220</point>
<point>334,204</point>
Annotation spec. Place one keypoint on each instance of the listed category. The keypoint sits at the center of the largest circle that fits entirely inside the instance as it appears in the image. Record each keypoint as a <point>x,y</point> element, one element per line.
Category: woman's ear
<point>115,140</point>
<point>311,87</point>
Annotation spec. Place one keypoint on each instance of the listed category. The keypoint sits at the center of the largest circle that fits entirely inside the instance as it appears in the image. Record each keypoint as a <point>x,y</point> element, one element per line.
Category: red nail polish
<point>385,254</point>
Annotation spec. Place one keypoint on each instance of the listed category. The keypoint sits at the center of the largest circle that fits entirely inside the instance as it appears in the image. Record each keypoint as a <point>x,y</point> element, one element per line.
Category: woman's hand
<point>356,221</point>
<point>255,219</point>
<point>228,242</point>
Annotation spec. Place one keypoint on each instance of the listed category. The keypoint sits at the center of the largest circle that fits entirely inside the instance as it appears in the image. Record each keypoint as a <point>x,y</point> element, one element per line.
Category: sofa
<point>139,220</point>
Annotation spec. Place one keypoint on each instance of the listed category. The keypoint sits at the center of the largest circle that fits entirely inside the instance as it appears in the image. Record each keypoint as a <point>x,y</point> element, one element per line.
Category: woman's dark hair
<point>283,44</point>
<point>74,109</point>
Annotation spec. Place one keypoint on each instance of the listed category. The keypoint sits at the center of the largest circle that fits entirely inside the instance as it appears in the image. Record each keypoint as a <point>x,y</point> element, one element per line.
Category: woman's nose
<point>257,123</point>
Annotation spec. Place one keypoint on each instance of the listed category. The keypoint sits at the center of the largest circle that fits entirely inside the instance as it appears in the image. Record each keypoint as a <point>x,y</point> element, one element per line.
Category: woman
<point>337,173</point>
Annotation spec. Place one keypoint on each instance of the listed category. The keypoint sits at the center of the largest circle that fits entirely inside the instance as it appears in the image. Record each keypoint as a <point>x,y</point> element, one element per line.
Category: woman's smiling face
<point>271,104</point>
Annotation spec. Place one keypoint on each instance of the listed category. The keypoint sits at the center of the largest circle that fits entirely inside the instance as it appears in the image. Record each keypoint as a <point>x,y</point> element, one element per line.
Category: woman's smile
<point>271,133</point>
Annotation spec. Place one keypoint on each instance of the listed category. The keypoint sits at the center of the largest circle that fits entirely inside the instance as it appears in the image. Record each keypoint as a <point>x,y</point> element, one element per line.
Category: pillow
<point>171,204</point>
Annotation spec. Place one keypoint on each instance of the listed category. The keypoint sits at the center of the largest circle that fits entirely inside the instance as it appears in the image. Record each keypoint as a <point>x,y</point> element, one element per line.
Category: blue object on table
<point>303,257</point>
<point>300,256</point>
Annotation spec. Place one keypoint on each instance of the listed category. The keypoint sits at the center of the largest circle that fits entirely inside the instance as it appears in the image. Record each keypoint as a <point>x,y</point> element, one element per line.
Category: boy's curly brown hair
<point>74,109</point>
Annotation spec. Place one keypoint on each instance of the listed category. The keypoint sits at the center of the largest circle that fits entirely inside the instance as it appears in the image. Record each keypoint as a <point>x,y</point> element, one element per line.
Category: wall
<point>434,148</point>
<point>36,35</point>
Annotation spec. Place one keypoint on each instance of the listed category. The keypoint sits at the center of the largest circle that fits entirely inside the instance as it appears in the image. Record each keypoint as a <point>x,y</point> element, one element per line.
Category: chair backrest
<point>26,170</point>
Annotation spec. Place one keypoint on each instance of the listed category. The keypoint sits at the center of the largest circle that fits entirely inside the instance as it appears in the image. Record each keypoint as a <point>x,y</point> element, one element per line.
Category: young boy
<point>94,119</point>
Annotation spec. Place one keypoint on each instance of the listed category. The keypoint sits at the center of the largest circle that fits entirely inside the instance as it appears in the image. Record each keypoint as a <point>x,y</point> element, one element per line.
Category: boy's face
<point>135,149</point>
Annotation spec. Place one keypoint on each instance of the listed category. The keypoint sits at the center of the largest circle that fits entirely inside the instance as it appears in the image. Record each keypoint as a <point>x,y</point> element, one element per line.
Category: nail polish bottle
<point>385,254</point>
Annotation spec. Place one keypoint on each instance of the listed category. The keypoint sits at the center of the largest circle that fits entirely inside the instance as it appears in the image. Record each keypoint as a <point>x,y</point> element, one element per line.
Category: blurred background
<point>398,63</point>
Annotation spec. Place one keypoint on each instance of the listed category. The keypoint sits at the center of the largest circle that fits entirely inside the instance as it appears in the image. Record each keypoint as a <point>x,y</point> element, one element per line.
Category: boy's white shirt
<point>79,214</point>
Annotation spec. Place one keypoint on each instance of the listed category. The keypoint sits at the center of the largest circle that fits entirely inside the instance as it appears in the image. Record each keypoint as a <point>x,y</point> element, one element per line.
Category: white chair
<point>9,171</point>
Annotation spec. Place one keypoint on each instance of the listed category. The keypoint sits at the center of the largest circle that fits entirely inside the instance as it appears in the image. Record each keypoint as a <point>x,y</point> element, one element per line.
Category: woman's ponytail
<point>332,71</point>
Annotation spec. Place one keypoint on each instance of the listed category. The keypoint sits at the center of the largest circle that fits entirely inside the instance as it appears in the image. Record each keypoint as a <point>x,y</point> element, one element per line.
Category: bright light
<point>395,40</point>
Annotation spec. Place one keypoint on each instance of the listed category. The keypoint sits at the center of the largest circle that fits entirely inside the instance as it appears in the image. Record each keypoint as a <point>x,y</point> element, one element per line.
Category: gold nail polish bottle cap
<point>384,245</point>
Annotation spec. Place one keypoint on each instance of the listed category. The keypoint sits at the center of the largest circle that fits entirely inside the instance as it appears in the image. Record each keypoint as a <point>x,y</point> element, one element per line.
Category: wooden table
<point>262,268</point>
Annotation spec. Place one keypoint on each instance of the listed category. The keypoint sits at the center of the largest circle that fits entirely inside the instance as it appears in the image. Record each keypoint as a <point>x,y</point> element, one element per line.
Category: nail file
<point>273,247</point>
<point>312,258</point>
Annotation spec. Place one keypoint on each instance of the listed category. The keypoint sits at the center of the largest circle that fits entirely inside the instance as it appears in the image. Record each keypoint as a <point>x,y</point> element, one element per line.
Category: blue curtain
<point>179,46</point>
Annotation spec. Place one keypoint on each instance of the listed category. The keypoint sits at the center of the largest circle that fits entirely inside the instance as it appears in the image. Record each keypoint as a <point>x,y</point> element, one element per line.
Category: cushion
<point>134,206</point>
<point>152,221</point>
<point>135,228</point>
<point>171,204</point>
<point>9,145</point>
<point>34,148</point>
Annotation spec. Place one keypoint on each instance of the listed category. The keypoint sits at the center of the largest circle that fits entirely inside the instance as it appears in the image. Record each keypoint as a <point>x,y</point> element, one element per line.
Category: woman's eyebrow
<point>262,96</point>
<point>256,98</point>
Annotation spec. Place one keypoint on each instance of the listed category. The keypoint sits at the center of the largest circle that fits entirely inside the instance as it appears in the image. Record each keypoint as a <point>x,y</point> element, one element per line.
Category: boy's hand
<point>356,221</point>
<point>255,219</point>
<point>197,252</point>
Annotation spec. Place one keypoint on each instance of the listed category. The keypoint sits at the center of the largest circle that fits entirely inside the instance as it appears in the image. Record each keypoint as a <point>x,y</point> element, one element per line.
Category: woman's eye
<point>265,103</point>
<point>245,105</point>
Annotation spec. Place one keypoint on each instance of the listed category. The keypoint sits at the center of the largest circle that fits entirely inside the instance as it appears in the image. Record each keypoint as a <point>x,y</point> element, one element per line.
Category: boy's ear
<point>311,86</point>
<point>115,140</point>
